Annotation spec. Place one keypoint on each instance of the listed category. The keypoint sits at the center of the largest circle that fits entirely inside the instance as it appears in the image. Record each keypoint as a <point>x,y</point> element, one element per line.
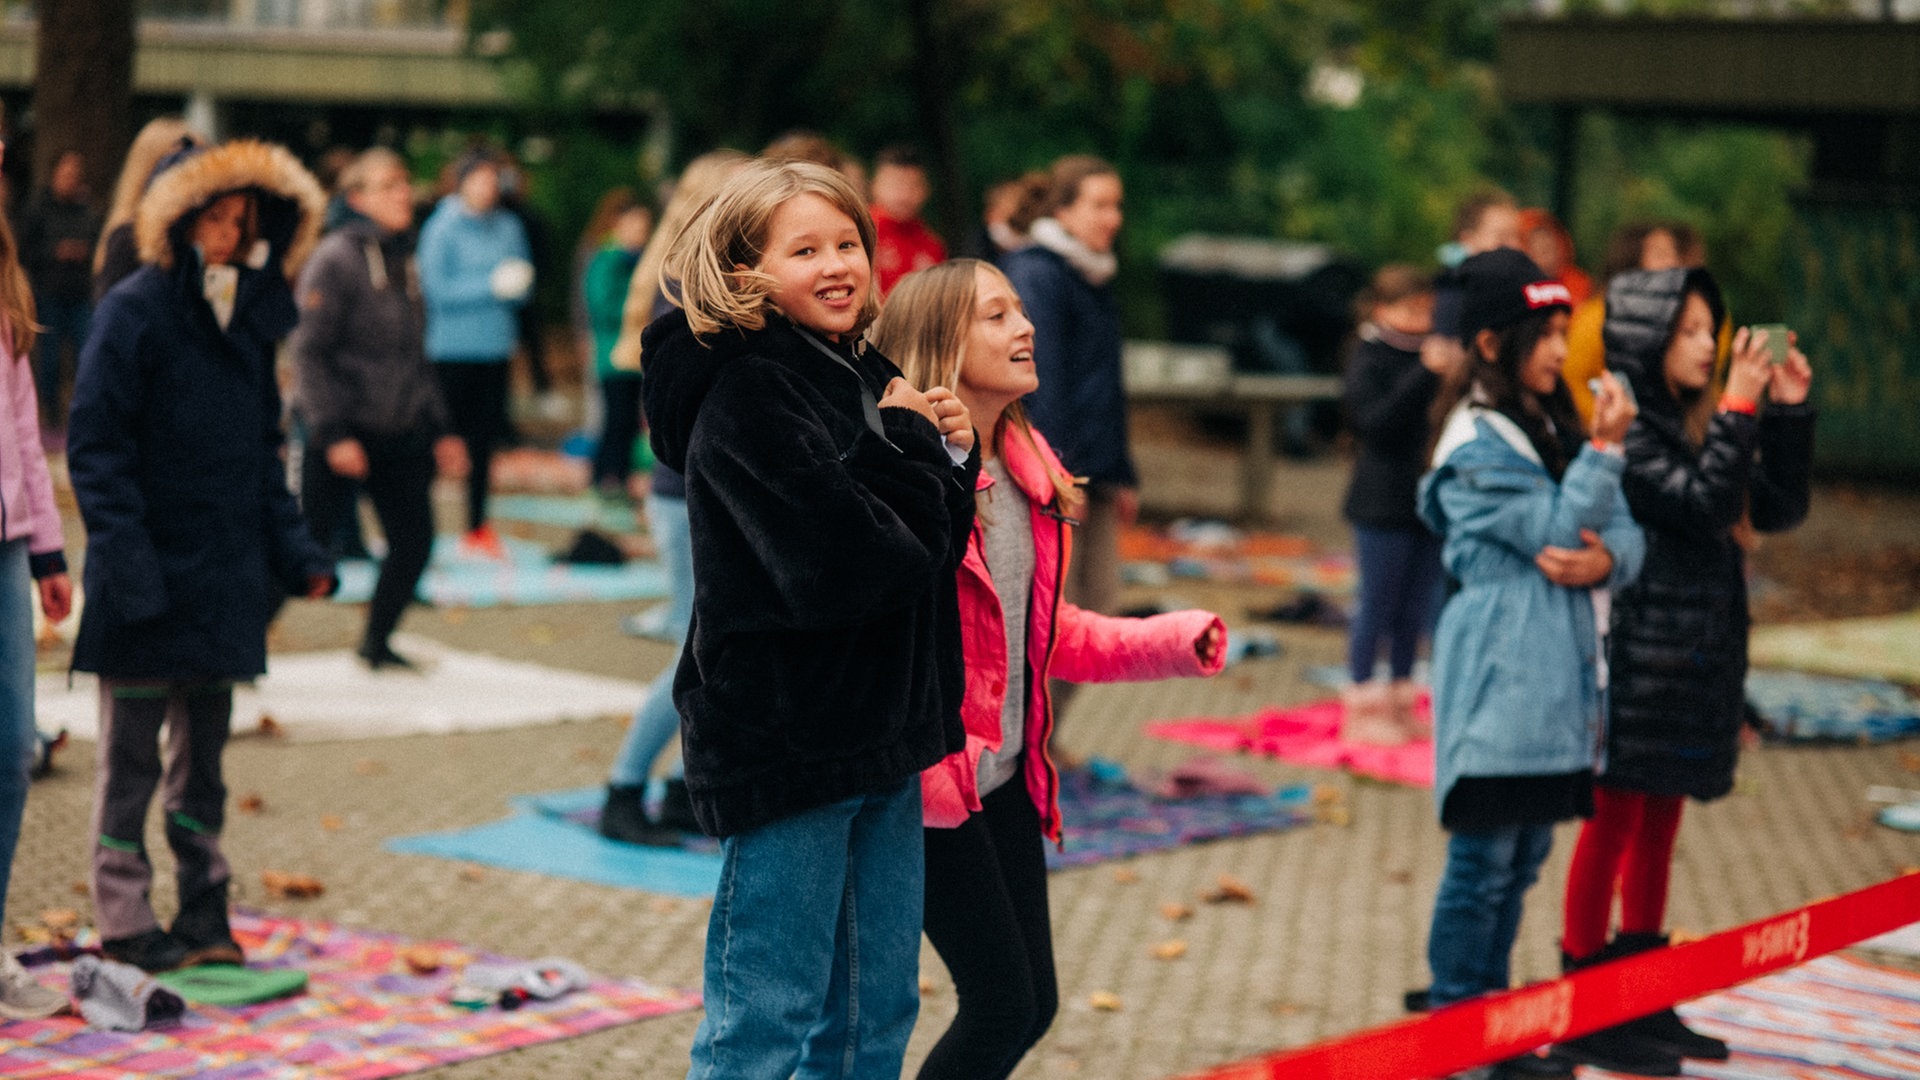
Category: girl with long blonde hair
<point>991,805</point>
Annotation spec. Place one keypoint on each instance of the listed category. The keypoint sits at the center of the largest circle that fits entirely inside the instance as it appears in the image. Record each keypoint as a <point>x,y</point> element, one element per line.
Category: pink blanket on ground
<point>1307,735</point>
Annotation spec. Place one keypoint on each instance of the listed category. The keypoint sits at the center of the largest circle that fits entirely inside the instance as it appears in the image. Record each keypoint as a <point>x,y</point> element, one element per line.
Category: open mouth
<point>836,295</point>
<point>1023,357</point>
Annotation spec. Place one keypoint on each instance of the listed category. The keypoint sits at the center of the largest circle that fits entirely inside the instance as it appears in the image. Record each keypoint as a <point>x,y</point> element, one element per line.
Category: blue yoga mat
<point>565,511</point>
<point>540,843</point>
<point>529,575</point>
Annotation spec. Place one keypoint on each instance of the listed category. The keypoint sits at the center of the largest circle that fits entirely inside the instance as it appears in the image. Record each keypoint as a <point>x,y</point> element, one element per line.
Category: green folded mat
<point>230,984</point>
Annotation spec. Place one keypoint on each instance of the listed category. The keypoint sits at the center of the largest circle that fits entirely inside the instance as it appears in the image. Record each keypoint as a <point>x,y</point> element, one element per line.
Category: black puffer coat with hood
<point>823,660</point>
<point>1678,652</point>
<point>174,444</point>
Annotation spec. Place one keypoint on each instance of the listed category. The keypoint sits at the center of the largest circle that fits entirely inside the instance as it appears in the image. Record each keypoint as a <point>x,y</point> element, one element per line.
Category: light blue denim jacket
<point>1518,661</point>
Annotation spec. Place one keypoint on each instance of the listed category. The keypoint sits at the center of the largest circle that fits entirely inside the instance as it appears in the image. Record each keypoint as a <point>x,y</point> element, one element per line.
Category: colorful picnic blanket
<point>1213,551</point>
<point>1834,1018</point>
<point>1800,707</point>
<point>529,575</point>
<point>365,1014</point>
<point>1307,735</point>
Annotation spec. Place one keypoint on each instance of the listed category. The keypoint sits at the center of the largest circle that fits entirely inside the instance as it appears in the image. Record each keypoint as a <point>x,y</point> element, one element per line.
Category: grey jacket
<point>359,362</point>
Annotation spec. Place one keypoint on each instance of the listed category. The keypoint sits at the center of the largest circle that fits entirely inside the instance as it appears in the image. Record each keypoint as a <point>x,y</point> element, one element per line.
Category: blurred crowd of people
<point>872,594</point>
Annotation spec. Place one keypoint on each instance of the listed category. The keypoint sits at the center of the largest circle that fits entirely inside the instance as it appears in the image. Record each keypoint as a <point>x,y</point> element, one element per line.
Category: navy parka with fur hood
<point>174,441</point>
<point>1679,643</point>
<point>823,659</point>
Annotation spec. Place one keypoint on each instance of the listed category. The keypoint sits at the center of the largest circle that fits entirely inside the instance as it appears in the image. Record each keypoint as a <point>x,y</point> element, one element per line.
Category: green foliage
<point>1731,183</point>
<point>1202,104</point>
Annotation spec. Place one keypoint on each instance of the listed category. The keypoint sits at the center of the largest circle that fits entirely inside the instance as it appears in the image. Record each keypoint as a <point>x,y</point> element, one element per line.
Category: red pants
<point>1627,846</point>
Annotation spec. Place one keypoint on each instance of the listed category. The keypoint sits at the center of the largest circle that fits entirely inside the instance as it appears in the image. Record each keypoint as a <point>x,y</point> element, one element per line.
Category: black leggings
<point>987,918</point>
<point>619,427</point>
<point>476,397</point>
<point>399,481</point>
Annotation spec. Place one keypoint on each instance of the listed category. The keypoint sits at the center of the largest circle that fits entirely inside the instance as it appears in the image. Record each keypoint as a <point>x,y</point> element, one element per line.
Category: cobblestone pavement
<point>1335,935</point>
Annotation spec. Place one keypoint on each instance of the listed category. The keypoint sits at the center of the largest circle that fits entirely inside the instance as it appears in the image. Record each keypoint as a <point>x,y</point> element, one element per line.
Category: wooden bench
<point>1202,377</point>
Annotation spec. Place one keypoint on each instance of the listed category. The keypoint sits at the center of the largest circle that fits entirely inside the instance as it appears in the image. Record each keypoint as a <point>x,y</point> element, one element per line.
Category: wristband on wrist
<point>1606,447</point>
<point>1732,403</point>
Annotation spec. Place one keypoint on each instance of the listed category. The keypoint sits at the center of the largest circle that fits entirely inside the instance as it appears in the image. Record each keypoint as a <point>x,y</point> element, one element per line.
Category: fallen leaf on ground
<point>332,822</point>
<point>1398,877</point>
<point>60,919</point>
<point>1125,875</point>
<point>1229,890</point>
<point>472,873</point>
<point>453,616</point>
<point>1170,950</point>
<point>421,959</point>
<point>928,987</point>
<point>1324,794</point>
<point>663,905</point>
<point>1285,1008</point>
<point>1910,761</point>
<point>369,767</point>
<point>1175,911</point>
<point>1104,1000</point>
<point>251,803</point>
<point>1680,935</point>
<point>80,888</point>
<point>1336,815</point>
<point>270,727</point>
<point>280,883</point>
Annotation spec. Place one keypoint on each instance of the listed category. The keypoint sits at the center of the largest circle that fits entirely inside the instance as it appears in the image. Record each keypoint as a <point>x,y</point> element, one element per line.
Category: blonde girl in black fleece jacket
<point>829,504</point>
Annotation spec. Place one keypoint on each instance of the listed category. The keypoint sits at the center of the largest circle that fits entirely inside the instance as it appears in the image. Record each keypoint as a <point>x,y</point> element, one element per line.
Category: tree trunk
<point>83,88</point>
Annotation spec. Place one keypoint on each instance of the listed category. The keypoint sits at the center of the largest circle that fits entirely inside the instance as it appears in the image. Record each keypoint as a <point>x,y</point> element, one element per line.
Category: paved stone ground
<point>1336,934</point>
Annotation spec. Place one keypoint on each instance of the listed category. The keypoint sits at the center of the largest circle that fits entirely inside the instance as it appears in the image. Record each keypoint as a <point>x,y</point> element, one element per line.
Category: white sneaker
<point>21,998</point>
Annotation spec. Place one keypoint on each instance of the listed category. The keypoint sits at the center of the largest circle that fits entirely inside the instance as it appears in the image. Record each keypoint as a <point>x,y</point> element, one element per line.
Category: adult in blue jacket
<point>1065,279</point>
<point>475,274</point>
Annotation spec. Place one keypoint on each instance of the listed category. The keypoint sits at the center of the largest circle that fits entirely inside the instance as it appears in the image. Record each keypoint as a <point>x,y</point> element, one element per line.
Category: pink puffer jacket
<point>27,508</point>
<point>1062,642</point>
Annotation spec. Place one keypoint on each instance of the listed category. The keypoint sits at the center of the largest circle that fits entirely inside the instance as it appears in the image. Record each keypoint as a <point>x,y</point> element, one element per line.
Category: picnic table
<point>1202,377</point>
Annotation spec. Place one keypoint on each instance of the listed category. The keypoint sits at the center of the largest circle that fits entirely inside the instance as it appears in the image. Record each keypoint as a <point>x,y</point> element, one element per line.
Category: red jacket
<point>1062,642</point>
<point>901,247</point>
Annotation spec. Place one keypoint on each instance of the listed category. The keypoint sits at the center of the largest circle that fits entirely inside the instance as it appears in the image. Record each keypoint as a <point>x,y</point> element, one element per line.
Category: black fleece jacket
<point>1388,395</point>
<point>1678,650</point>
<point>823,660</point>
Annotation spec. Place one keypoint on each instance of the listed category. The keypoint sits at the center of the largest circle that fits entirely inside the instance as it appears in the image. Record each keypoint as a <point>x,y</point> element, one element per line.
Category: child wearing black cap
<point>1534,531</point>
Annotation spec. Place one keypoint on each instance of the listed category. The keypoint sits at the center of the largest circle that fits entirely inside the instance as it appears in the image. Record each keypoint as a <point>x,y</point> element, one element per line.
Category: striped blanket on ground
<point>364,1015</point>
<point>1835,1018</point>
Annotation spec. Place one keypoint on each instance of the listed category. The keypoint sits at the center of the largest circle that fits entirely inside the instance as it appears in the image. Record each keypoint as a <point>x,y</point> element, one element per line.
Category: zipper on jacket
<point>1046,693</point>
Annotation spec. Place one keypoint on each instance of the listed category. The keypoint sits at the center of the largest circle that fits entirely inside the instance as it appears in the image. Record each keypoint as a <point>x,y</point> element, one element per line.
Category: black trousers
<point>987,917</point>
<point>400,482</point>
<point>619,427</point>
<point>476,397</point>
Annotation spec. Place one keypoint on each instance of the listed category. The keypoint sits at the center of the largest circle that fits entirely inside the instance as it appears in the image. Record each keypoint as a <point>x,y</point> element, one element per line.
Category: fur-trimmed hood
<point>291,201</point>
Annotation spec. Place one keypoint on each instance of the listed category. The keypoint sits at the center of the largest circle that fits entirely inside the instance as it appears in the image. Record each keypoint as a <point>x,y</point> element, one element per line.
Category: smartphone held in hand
<point>1778,340</point>
<point>1596,385</point>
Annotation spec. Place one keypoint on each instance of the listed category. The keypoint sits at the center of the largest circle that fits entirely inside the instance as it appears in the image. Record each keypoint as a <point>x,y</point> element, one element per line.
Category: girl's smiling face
<point>997,357</point>
<point>1541,371</point>
<point>819,265</point>
<point>1694,348</point>
<point>218,229</point>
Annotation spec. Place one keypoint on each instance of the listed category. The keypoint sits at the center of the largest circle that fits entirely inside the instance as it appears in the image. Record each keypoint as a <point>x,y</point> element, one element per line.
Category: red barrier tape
<point>1501,1025</point>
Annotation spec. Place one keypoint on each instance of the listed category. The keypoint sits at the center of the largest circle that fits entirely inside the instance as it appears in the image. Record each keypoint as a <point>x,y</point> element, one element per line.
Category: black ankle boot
<point>153,951</point>
<point>676,808</point>
<point>201,928</point>
<point>1665,1027</point>
<point>624,818</point>
<point>1622,1048</point>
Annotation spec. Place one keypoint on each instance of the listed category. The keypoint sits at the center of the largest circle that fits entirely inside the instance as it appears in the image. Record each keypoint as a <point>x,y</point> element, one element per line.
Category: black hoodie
<point>823,660</point>
<point>1678,651</point>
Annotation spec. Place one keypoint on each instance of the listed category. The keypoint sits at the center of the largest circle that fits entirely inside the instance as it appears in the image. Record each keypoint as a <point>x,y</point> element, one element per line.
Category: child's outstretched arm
<point>103,461</point>
<point>1090,648</point>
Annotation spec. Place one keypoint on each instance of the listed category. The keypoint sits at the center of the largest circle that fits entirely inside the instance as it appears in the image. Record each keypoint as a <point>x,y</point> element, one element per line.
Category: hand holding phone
<point>1778,341</point>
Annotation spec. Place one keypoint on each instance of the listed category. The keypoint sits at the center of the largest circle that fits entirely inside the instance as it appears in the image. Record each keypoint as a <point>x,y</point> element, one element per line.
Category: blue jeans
<point>656,722</point>
<point>813,949</point>
<point>1476,914</point>
<point>1400,581</point>
<point>17,737</point>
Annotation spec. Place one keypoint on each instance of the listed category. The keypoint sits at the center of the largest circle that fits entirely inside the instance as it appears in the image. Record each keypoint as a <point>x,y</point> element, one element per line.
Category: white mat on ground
<point>331,695</point>
<point>1905,941</point>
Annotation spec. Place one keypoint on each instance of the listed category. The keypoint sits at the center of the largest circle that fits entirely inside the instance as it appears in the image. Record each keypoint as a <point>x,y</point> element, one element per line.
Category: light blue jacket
<point>458,251</point>
<point>1517,661</point>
